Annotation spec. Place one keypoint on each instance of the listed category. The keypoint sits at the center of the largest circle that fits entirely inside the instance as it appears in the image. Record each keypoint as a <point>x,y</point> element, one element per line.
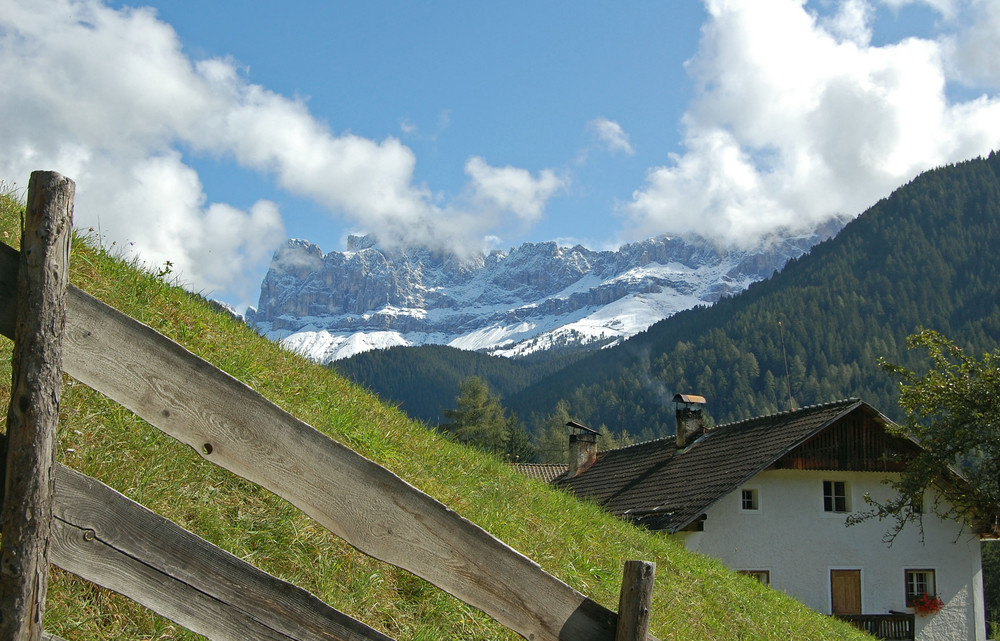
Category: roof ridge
<point>817,406</point>
<point>541,464</point>
<point>652,440</point>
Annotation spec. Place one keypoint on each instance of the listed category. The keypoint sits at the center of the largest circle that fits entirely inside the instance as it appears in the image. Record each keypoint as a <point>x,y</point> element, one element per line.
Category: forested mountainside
<point>925,257</point>
<point>424,380</point>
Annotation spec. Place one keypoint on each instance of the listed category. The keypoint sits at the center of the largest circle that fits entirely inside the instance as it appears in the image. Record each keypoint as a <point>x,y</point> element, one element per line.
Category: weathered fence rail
<point>110,540</point>
<point>372,509</point>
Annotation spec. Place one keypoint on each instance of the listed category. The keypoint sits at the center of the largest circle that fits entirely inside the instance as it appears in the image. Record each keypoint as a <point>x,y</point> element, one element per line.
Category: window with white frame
<point>749,499</point>
<point>919,582</point>
<point>835,498</point>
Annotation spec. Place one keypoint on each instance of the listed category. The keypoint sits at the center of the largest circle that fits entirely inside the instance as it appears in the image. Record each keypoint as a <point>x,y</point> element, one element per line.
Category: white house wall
<point>798,543</point>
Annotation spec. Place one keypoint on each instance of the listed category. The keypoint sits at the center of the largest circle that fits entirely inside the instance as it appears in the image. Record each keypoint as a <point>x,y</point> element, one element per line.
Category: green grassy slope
<point>696,598</point>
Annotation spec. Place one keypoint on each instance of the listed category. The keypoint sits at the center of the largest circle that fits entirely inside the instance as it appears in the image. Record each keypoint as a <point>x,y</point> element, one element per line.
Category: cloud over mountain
<point>109,98</point>
<point>798,117</point>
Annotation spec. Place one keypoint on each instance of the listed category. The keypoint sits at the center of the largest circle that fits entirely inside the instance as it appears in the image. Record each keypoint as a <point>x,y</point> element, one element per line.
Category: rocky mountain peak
<point>357,243</point>
<point>531,297</point>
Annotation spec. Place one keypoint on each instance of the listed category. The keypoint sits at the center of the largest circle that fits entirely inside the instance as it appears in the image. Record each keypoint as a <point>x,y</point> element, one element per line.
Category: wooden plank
<point>34,405</point>
<point>369,507</point>
<point>635,601</point>
<point>83,555</point>
<point>8,290</point>
<point>110,540</point>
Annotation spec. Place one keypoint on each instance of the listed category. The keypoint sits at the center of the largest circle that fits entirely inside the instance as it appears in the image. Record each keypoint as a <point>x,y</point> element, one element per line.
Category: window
<point>919,582</point>
<point>835,496</point>
<point>749,500</point>
<point>764,576</point>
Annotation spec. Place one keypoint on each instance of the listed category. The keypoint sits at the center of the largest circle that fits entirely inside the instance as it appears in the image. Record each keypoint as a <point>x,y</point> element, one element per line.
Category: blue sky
<point>513,83</point>
<point>206,133</point>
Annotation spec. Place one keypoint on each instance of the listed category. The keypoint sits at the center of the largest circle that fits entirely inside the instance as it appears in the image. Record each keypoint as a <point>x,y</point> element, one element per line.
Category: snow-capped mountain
<point>537,296</point>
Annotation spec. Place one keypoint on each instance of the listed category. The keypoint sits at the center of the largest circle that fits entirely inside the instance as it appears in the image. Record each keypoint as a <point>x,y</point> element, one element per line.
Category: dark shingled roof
<point>656,485</point>
<point>547,472</point>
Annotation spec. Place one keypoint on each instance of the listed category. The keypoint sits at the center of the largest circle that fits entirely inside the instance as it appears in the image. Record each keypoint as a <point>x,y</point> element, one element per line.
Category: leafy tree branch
<point>953,411</point>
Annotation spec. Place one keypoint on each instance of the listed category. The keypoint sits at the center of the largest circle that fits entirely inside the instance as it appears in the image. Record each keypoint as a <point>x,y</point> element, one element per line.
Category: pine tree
<point>552,439</point>
<point>479,419</point>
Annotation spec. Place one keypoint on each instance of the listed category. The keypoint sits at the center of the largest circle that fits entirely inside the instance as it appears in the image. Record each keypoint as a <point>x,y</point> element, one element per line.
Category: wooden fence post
<point>34,405</point>
<point>635,601</point>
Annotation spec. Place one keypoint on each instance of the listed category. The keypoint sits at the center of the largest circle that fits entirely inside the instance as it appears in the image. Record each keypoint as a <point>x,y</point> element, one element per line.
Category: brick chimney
<point>582,448</point>
<point>690,422</point>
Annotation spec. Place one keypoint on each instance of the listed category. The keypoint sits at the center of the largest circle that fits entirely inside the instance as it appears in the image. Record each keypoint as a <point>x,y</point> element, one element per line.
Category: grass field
<point>695,598</point>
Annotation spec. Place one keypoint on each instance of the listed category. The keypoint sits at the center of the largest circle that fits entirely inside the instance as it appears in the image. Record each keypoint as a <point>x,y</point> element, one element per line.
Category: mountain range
<point>539,296</point>
<point>923,257</point>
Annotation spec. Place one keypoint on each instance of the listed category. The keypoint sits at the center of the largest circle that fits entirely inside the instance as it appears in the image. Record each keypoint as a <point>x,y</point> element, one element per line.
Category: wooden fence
<point>106,538</point>
<point>895,626</point>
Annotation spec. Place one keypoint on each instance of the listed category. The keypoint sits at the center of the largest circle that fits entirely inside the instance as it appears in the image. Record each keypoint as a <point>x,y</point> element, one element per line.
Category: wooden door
<point>845,591</point>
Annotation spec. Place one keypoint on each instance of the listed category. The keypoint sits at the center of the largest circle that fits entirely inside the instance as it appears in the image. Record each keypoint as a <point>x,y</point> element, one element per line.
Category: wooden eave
<point>858,443</point>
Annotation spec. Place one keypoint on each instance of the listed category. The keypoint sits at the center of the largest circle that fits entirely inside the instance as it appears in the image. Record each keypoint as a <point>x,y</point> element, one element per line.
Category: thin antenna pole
<point>621,413</point>
<point>788,380</point>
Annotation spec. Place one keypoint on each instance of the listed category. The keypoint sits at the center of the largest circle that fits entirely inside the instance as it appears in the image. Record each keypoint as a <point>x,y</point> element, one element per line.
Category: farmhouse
<point>770,496</point>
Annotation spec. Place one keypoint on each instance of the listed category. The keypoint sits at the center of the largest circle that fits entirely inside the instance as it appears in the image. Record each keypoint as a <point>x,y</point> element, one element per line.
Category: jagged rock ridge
<point>537,296</point>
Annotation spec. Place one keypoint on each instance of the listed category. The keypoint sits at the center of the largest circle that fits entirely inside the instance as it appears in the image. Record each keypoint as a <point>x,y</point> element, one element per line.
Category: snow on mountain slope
<point>535,297</point>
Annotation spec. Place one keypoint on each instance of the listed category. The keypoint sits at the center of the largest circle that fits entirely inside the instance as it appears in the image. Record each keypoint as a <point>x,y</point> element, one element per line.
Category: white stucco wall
<point>798,543</point>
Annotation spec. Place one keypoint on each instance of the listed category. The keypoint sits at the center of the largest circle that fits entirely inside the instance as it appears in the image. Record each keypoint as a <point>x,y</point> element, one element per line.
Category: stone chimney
<point>582,448</point>
<point>690,422</point>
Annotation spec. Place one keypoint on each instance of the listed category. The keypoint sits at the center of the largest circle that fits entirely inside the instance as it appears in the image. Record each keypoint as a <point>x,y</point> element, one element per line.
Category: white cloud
<point>108,98</point>
<point>852,22</point>
<point>971,52</point>
<point>102,96</point>
<point>407,127</point>
<point>611,135</point>
<point>511,189</point>
<point>797,119</point>
<point>947,8</point>
<point>155,207</point>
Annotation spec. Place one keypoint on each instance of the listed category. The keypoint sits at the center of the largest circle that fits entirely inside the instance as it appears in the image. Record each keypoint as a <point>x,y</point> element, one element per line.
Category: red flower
<point>924,604</point>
